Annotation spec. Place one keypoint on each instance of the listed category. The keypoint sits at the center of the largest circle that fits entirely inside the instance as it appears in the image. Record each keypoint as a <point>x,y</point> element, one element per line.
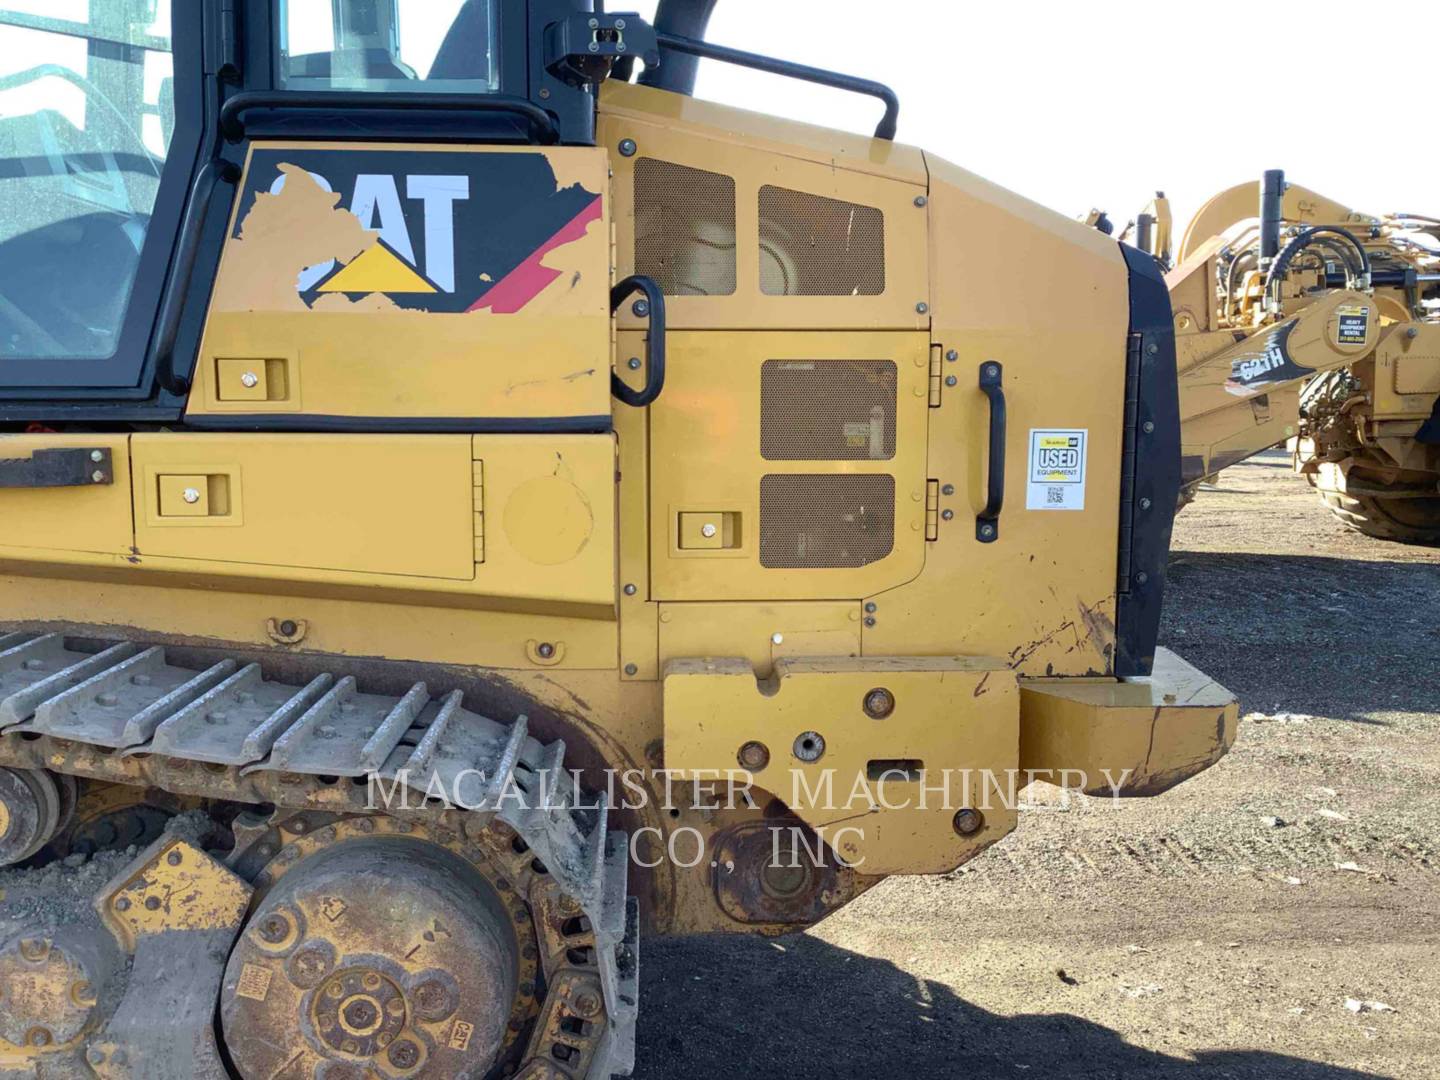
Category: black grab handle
<point>654,341</point>
<point>458,106</point>
<point>987,522</point>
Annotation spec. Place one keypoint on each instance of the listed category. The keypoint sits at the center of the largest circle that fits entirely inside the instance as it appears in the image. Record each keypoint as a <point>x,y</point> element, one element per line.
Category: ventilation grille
<point>825,521</point>
<point>814,246</point>
<point>685,228</point>
<point>827,410</point>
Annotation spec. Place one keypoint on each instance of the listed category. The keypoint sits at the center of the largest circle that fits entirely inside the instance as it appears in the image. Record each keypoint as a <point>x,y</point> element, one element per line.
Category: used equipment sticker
<point>1057,469</point>
<point>1354,322</point>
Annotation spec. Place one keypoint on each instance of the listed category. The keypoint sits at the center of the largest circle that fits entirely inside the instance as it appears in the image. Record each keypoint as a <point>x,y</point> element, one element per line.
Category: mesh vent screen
<point>814,246</point>
<point>827,410</point>
<point>825,521</point>
<point>685,228</point>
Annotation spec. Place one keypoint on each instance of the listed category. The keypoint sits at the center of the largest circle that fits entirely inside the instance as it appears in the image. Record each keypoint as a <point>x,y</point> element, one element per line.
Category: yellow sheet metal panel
<point>743,233</point>
<point>760,633</point>
<point>372,504</point>
<point>413,281</point>
<point>549,517</point>
<point>1407,371</point>
<point>814,497</point>
<point>883,789</point>
<point>1042,595</point>
<point>94,518</point>
<point>1138,736</point>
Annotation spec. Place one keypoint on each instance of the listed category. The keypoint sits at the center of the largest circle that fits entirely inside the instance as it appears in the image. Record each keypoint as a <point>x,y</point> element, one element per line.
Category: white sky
<point>1101,102</point>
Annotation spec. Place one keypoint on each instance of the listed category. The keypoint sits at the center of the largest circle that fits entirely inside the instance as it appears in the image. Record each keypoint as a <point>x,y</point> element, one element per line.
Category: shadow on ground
<point>721,1007</point>
<point>1266,626</point>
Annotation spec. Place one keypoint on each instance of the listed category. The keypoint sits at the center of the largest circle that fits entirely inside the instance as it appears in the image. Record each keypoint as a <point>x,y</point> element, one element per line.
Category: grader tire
<point>1406,521</point>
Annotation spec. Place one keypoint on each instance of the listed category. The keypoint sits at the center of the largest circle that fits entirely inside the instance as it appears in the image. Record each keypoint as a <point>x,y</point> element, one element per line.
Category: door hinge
<point>932,509</point>
<point>935,363</point>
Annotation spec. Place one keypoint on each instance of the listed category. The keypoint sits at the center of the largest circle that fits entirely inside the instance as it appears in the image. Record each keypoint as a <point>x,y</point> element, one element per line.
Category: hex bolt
<point>641,308</point>
<point>951,380</point>
<point>870,620</point>
<point>288,628</point>
<point>587,1005</point>
<point>152,903</point>
<point>777,639</point>
<point>122,904</point>
<point>1148,427</point>
<point>173,858</point>
<point>952,356</point>
<point>627,148</point>
<point>1152,348</point>
<point>633,363</point>
<point>403,1054</point>
<point>922,308</point>
<point>274,929</point>
<point>1142,577</point>
<point>753,756</point>
<point>191,495</point>
<point>708,529</point>
<point>1144,504</point>
<point>871,607</point>
<point>991,370</point>
<point>1411,332</point>
<point>545,650</point>
<point>631,669</point>
<point>947,515</point>
<point>987,531</point>
<point>948,489</point>
<point>967,822</point>
<point>630,590</point>
<point>98,456</point>
<point>921,200</point>
<point>97,477</point>
<point>249,380</point>
<point>39,1037</point>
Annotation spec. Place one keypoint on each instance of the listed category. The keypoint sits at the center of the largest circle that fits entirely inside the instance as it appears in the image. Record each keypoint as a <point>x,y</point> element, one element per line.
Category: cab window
<point>388,45</point>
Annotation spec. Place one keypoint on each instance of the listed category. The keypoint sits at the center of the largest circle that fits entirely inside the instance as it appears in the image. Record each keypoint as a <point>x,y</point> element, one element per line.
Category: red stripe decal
<point>529,279</point>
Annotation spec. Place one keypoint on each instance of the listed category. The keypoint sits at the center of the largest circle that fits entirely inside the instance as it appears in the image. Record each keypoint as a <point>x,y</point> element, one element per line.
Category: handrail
<point>726,55</point>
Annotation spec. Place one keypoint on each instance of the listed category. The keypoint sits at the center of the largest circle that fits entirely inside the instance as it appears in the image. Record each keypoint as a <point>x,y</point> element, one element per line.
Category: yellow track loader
<point>1301,321</point>
<point>466,504</point>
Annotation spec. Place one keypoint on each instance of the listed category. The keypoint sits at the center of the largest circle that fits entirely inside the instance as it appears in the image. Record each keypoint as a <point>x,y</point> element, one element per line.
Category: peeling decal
<point>1270,363</point>
<point>436,231</point>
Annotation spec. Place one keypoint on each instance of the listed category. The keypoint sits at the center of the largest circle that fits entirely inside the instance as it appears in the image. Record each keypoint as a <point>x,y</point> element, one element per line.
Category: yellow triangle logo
<point>376,270</point>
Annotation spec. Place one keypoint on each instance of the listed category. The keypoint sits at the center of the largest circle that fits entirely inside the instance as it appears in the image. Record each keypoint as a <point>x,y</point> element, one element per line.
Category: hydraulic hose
<point>1282,262</point>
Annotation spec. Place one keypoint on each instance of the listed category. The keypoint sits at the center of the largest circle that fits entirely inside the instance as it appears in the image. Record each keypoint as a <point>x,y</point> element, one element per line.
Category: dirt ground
<point>1215,931</point>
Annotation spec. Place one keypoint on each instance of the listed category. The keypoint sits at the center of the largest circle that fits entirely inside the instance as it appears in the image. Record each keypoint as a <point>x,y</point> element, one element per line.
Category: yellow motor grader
<point>464,507</point>
<point>1303,322</point>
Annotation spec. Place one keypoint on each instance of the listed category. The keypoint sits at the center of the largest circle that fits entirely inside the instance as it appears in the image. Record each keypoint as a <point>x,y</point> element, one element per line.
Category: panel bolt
<point>173,858</point>
<point>952,355</point>
<point>707,529</point>
<point>987,530</point>
<point>545,649</point>
<point>1148,427</point>
<point>1142,577</point>
<point>870,620</point>
<point>404,1054</point>
<point>633,363</point>
<point>594,24</point>
<point>951,380</point>
<point>191,495</point>
<point>991,370</point>
<point>922,307</point>
<point>872,607</point>
<point>1144,504</point>
<point>879,703</point>
<point>640,308</point>
<point>631,669</point>
<point>630,590</point>
<point>122,904</point>
<point>754,756</point>
<point>947,515</point>
<point>777,639</point>
<point>1152,348</point>
<point>627,147</point>
<point>98,456</point>
<point>97,477</point>
<point>921,200</point>
<point>249,380</point>
<point>948,489</point>
<point>288,628</point>
<point>967,821</point>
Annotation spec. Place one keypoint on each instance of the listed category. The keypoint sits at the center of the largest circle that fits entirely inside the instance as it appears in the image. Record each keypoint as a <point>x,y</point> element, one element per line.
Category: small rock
<point>1067,979</point>
<point>1333,815</point>
<point>1273,822</point>
<point>1355,1005</point>
<point>1144,990</point>
<point>1354,868</point>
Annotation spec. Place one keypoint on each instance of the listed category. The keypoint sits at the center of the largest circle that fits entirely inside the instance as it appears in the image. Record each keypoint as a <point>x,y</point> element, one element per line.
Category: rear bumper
<point>1136,736</point>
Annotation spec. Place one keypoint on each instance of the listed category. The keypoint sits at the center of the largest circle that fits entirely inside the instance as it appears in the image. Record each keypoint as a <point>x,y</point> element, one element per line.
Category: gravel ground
<point>1215,931</point>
